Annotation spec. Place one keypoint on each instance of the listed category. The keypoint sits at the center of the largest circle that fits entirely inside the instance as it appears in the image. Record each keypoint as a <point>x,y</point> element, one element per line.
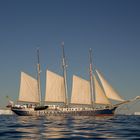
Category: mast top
<point>62,43</point>
<point>38,61</point>
<point>63,51</point>
<point>90,55</point>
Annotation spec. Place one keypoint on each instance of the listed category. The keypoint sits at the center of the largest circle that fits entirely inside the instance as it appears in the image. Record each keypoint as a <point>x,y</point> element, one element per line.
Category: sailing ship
<point>89,97</point>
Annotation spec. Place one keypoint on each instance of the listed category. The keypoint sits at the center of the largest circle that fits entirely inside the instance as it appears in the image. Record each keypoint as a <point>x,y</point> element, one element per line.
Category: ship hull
<point>65,112</point>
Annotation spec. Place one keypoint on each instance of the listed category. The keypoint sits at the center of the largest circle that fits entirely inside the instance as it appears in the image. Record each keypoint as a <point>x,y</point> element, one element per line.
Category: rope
<point>127,107</point>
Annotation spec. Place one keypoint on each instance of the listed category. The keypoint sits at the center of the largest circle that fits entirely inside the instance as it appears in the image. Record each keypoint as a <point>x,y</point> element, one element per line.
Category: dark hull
<point>96,112</point>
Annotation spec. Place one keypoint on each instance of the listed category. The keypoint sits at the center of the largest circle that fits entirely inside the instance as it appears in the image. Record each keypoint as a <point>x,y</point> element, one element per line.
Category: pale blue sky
<point>110,27</point>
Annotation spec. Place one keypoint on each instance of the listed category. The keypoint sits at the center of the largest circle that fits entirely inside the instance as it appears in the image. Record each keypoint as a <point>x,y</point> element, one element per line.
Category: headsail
<point>55,91</point>
<point>80,91</point>
<point>109,91</point>
<point>100,97</point>
<point>28,89</point>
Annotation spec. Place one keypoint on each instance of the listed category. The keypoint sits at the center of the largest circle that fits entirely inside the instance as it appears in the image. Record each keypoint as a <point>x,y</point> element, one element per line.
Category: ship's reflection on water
<point>61,127</point>
<point>118,127</point>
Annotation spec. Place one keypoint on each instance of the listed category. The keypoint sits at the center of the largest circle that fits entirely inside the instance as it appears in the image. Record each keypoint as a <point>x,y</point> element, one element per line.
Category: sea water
<point>29,127</point>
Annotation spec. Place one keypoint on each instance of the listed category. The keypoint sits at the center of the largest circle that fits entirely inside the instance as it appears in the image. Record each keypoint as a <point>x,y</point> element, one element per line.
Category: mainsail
<point>109,91</point>
<point>80,91</point>
<point>55,91</point>
<point>100,97</point>
<point>28,89</point>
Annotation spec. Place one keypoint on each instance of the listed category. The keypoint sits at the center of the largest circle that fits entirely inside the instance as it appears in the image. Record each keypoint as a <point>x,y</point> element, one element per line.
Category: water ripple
<point>116,127</point>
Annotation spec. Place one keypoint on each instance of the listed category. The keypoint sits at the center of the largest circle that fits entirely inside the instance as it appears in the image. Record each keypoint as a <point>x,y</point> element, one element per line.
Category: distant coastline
<point>6,112</point>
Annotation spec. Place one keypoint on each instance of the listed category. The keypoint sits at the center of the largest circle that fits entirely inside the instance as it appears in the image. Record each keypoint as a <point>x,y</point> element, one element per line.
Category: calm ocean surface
<point>116,127</point>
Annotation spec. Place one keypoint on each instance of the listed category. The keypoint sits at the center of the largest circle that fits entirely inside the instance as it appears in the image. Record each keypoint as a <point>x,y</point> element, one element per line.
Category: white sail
<point>109,91</point>
<point>54,87</point>
<point>100,97</point>
<point>28,89</point>
<point>80,91</point>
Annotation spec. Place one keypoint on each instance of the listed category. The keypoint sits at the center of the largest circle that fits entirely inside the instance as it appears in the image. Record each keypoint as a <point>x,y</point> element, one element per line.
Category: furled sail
<point>28,89</point>
<point>109,91</point>
<point>55,91</point>
<point>80,91</point>
<point>100,97</point>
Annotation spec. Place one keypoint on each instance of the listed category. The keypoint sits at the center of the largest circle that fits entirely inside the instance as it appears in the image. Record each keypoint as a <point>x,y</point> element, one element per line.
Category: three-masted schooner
<point>89,98</point>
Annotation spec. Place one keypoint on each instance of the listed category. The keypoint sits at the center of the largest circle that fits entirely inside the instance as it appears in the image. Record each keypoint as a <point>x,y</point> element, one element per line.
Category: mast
<point>91,78</point>
<point>64,74</point>
<point>38,76</point>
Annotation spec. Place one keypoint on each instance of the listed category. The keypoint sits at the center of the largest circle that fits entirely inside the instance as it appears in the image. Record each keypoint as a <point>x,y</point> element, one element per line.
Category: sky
<point>111,28</point>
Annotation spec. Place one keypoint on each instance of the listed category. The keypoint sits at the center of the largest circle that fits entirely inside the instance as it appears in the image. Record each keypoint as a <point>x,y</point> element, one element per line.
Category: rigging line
<point>133,103</point>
